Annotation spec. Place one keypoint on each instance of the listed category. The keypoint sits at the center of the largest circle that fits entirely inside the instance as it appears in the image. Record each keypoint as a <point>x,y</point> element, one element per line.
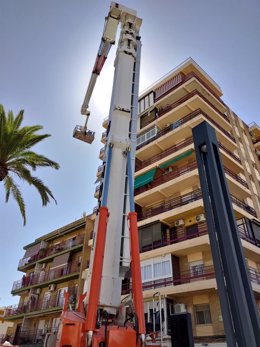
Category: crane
<point>102,318</point>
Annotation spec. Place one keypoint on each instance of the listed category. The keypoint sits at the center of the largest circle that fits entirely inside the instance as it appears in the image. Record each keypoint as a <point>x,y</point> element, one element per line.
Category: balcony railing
<point>229,152</point>
<point>198,273</point>
<point>254,275</point>
<point>184,200</point>
<point>183,99</point>
<point>244,235</point>
<point>236,177</point>
<point>170,204</point>
<point>202,273</point>
<point>34,304</point>
<point>179,235</point>
<point>183,233</point>
<point>179,171</point>
<point>141,164</point>
<point>47,276</point>
<point>167,177</point>
<point>184,80</point>
<point>182,121</point>
<point>44,253</point>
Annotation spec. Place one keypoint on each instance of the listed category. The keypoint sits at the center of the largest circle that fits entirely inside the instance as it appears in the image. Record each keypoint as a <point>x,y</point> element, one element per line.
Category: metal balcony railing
<point>48,276</point>
<point>184,80</point>
<point>184,200</point>
<point>198,273</point>
<point>234,156</point>
<point>183,233</point>
<point>182,121</point>
<point>183,99</point>
<point>142,164</point>
<point>179,171</point>
<point>244,235</point>
<point>44,253</point>
<point>254,275</point>
<point>166,177</point>
<point>55,300</point>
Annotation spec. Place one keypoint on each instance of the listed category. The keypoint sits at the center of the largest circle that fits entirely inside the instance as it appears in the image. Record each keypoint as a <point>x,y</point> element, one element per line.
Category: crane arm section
<point>107,40</point>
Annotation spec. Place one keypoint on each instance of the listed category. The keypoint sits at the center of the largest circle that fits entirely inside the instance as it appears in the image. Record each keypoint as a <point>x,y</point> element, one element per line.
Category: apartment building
<point>176,260</point>
<point>51,265</point>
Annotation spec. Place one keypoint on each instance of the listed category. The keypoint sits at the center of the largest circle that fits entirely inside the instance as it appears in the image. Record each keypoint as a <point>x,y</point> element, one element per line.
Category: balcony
<point>53,250</point>
<point>169,204</point>
<point>139,164</point>
<point>184,79</point>
<point>180,171</point>
<point>178,123</point>
<point>97,190</point>
<point>183,233</point>
<point>41,278</point>
<point>184,200</point>
<point>201,273</point>
<point>176,236</point>
<point>254,275</point>
<point>102,153</point>
<point>144,163</point>
<point>104,137</point>
<point>54,301</point>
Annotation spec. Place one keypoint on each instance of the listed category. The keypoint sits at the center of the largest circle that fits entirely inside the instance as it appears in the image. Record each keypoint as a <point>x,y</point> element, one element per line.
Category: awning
<point>60,260</point>
<point>145,178</point>
<point>32,250</point>
<point>169,162</point>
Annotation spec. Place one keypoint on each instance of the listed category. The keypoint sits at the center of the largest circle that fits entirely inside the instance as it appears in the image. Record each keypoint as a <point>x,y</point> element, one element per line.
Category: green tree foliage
<point>17,159</point>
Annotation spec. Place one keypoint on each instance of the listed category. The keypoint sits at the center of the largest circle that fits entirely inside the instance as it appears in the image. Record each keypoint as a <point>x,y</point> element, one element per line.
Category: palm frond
<point>12,188</point>
<point>16,157</point>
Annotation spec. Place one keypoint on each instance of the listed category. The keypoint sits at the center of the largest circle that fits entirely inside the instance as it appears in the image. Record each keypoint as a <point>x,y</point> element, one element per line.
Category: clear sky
<point>47,51</point>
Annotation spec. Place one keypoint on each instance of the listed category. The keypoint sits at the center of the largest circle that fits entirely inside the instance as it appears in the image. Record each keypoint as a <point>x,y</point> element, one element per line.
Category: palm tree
<point>17,159</point>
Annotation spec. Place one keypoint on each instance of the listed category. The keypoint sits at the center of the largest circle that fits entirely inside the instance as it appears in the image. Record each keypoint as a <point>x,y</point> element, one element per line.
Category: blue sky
<point>47,51</point>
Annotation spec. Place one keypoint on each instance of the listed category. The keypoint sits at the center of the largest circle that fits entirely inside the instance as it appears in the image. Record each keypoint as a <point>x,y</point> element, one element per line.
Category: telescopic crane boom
<point>102,319</point>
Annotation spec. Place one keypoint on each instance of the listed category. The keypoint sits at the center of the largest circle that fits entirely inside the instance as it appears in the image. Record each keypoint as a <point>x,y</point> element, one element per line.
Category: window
<point>202,314</point>
<point>162,269</point>
<point>146,102</point>
<point>60,297</point>
<point>146,271</point>
<point>150,237</point>
<point>157,268</point>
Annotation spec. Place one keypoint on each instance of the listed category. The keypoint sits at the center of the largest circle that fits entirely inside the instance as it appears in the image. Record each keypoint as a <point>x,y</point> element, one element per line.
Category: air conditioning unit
<point>179,308</point>
<point>200,218</point>
<point>52,287</point>
<point>37,290</point>
<point>179,223</point>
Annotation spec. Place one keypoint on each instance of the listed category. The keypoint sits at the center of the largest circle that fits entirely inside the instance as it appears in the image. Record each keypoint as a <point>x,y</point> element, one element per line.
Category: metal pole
<point>237,301</point>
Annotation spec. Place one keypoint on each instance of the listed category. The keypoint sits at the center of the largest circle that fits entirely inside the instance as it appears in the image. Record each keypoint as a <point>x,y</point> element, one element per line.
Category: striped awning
<point>145,178</point>
<point>171,161</point>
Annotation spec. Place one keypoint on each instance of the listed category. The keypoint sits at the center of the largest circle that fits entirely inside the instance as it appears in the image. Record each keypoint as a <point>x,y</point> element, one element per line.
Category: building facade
<point>52,264</point>
<point>176,260</point>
